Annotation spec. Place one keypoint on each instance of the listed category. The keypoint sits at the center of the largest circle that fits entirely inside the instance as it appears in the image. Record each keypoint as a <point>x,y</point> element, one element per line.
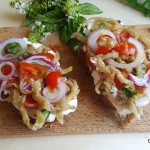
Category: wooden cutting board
<point>91,116</point>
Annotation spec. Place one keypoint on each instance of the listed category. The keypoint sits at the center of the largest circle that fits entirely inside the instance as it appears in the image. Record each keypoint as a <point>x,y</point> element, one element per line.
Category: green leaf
<point>74,23</point>
<point>74,45</point>
<point>65,34</point>
<point>128,92</point>
<point>28,22</point>
<point>53,16</point>
<point>89,9</point>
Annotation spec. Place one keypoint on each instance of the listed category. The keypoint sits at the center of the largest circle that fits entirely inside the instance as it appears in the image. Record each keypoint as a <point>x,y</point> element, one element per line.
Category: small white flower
<point>38,23</point>
<point>17,5</point>
<point>46,34</point>
<point>43,26</point>
<point>23,5</point>
<point>21,11</point>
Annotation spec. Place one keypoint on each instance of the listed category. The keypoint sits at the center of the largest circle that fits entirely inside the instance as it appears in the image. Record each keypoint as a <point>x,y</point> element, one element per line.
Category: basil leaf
<point>89,9</point>
<point>28,22</point>
<point>53,16</point>
<point>128,92</point>
<point>51,27</point>
<point>74,23</point>
<point>65,34</point>
<point>74,45</point>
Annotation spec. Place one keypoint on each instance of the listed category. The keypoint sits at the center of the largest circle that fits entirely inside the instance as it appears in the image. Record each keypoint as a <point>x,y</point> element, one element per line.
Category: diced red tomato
<point>124,48</point>
<point>48,55</point>
<point>103,50</point>
<point>30,102</point>
<point>125,35</point>
<point>117,82</point>
<point>32,71</point>
<point>54,48</point>
<point>52,79</point>
<point>147,68</point>
<point>140,89</point>
<point>6,69</point>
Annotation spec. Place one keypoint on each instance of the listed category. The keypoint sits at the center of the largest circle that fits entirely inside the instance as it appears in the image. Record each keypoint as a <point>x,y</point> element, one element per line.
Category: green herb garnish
<point>143,6</point>
<point>14,48</point>
<point>128,92</point>
<point>74,45</point>
<point>25,55</point>
<point>46,114</point>
<point>46,16</point>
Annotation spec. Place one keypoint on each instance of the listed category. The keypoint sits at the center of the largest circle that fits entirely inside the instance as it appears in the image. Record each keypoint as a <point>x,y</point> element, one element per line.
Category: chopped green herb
<point>14,48</point>
<point>46,114</point>
<point>128,92</point>
<point>25,55</point>
<point>74,45</point>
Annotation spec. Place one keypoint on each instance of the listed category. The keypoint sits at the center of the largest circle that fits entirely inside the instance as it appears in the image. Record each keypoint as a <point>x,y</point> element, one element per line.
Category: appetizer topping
<point>119,64</point>
<point>34,84</point>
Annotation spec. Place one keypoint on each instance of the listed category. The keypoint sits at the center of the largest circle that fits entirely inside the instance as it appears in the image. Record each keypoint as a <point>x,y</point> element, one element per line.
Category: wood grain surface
<point>92,116</point>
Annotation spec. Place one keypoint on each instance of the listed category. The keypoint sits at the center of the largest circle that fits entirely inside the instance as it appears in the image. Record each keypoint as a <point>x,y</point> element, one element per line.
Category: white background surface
<point>128,141</point>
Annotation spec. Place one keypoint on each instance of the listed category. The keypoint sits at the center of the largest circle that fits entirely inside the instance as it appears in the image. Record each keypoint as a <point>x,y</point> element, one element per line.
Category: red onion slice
<point>50,95</point>
<point>138,60</point>
<point>27,86</point>
<point>44,63</point>
<point>137,80</point>
<point>58,94</point>
<point>8,57</point>
<point>13,68</point>
<point>92,39</point>
<point>147,76</point>
<point>4,82</point>
<point>36,56</point>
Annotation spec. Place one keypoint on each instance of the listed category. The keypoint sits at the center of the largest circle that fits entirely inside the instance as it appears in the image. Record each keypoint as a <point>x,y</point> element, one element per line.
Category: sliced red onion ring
<point>138,60</point>
<point>27,86</point>
<point>36,56</point>
<point>4,82</point>
<point>11,40</point>
<point>147,76</point>
<point>8,57</point>
<point>138,81</point>
<point>58,94</point>
<point>44,63</point>
<point>50,95</point>
<point>92,39</point>
<point>13,68</point>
